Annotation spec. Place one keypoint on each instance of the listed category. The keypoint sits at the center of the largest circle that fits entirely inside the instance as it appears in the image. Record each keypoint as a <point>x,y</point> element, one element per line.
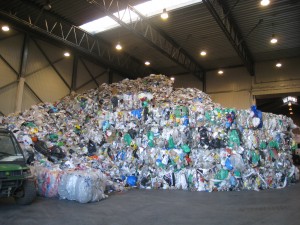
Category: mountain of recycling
<point>144,133</point>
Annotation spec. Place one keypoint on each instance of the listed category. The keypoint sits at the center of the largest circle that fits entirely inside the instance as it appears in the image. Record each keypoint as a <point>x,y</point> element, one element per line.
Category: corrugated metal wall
<point>47,73</point>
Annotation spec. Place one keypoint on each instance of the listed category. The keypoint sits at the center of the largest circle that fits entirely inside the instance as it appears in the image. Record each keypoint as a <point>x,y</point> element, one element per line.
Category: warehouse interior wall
<point>48,76</point>
<point>47,73</point>
<point>236,88</point>
<point>231,89</point>
<point>187,80</point>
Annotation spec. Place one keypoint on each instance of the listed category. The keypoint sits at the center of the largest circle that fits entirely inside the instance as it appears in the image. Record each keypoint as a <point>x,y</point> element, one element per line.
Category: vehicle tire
<point>28,195</point>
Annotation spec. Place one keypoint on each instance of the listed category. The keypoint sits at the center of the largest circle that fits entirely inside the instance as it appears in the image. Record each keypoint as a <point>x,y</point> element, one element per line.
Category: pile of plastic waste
<point>144,133</point>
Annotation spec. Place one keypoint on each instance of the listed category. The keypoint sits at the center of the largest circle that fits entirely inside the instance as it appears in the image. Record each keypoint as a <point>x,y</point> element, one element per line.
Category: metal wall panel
<point>268,72</point>
<point>238,100</point>
<point>90,85</point>
<point>82,75</point>
<point>53,53</point>
<point>10,50</point>
<point>103,79</point>
<point>47,85</point>
<point>187,80</point>
<point>117,78</point>
<point>232,80</point>
<point>29,99</point>
<point>95,70</point>
<point>36,60</point>
<point>7,99</point>
<point>65,68</point>
<point>7,75</point>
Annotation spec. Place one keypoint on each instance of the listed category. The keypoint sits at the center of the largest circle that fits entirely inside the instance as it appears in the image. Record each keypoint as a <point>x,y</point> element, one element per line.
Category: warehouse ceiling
<point>234,33</point>
<point>189,29</point>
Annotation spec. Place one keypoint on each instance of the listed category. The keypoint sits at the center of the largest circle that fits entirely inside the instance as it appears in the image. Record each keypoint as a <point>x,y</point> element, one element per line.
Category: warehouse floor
<point>163,207</point>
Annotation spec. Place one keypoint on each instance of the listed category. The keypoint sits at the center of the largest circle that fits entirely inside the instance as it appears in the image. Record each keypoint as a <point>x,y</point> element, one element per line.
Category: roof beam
<point>151,34</point>
<point>222,16</point>
<point>90,46</point>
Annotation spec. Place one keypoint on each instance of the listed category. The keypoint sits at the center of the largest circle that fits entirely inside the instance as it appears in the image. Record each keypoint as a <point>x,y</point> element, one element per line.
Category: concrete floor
<point>145,207</point>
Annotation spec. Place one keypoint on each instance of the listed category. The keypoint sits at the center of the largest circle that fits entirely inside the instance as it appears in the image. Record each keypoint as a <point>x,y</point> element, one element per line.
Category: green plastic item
<point>145,103</point>
<point>53,137</point>
<point>127,139</point>
<point>29,124</point>
<point>150,135</point>
<point>234,139</point>
<point>171,142</point>
<point>255,157</point>
<point>181,111</point>
<point>263,145</point>
<point>222,174</point>
<point>185,148</point>
<point>237,173</point>
<point>273,144</point>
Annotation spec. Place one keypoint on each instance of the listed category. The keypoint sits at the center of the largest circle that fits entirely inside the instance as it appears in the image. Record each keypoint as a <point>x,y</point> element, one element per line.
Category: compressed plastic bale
<point>47,181</point>
<point>82,186</point>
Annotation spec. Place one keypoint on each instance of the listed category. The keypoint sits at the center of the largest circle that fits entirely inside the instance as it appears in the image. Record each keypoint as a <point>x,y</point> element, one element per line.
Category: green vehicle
<point>15,176</point>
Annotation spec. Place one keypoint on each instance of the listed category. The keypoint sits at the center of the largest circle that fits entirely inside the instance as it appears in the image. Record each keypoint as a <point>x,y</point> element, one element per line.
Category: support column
<point>110,76</point>
<point>22,71</point>
<point>74,73</point>
<point>19,98</point>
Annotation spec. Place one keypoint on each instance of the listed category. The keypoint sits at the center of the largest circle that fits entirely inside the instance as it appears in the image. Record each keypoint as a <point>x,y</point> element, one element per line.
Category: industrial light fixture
<point>290,109</point>
<point>164,14</point>
<point>265,2</point>
<point>67,54</point>
<point>47,6</point>
<point>147,63</point>
<point>203,53</point>
<point>273,40</point>
<point>291,113</point>
<point>119,46</point>
<point>172,78</point>
<point>290,100</point>
<point>278,64</point>
<point>220,72</point>
<point>5,28</point>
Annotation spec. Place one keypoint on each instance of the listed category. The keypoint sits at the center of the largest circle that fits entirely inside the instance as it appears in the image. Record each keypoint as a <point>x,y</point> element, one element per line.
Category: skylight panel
<point>148,9</point>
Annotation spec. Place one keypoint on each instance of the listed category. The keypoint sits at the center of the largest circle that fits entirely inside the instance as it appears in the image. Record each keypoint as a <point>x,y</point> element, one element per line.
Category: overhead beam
<point>149,33</point>
<point>222,16</point>
<point>66,35</point>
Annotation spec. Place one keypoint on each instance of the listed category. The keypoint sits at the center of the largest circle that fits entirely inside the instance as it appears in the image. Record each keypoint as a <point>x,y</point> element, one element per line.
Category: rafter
<point>58,31</point>
<point>222,16</point>
<point>149,33</point>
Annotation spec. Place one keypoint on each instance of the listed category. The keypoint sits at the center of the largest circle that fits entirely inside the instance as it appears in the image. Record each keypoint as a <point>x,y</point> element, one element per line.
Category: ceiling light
<point>290,109</point>
<point>265,2</point>
<point>172,78</point>
<point>220,72</point>
<point>203,53</point>
<point>164,15</point>
<point>289,104</point>
<point>119,46</point>
<point>290,100</point>
<point>47,6</point>
<point>147,63</point>
<point>278,64</point>
<point>67,54</point>
<point>273,39</point>
<point>5,28</point>
<point>291,113</point>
